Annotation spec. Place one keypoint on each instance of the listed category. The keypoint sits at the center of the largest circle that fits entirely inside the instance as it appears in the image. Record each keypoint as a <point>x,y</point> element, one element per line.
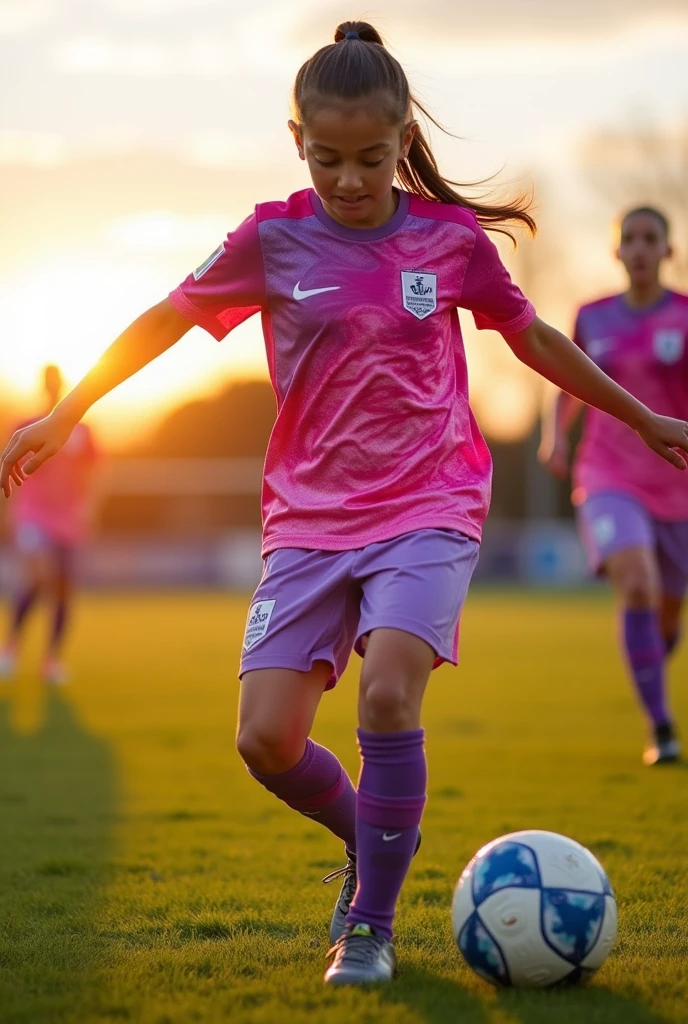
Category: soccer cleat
<point>665,749</point>
<point>8,662</point>
<point>54,673</point>
<point>346,894</point>
<point>361,957</point>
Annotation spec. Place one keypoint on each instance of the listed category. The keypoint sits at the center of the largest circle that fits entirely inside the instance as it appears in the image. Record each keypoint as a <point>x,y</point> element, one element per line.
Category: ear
<point>297,132</point>
<point>409,132</point>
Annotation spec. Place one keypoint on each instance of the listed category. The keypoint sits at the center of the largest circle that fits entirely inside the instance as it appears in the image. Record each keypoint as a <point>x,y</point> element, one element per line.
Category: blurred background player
<point>632,509</point>
<point>50,519</point>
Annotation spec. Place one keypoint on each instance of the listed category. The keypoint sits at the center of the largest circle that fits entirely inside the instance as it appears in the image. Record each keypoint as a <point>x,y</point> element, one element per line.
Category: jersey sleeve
<point>228,287</point>
<point>489,293</point>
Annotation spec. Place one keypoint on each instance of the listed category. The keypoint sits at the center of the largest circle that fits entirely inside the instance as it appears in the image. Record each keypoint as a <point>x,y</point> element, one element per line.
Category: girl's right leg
<point>276,713</point>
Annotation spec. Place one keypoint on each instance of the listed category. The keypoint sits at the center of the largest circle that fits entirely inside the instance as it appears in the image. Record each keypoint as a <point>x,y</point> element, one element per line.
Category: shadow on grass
<point>57,800</point>
<point>439,1000</point>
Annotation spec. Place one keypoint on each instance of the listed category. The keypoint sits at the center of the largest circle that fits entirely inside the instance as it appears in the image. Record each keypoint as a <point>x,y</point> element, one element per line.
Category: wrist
<point>68,411</point>
<point>640,417</point>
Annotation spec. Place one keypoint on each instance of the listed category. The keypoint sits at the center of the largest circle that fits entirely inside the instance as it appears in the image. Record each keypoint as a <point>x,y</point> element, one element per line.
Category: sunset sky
<point>135,133</point>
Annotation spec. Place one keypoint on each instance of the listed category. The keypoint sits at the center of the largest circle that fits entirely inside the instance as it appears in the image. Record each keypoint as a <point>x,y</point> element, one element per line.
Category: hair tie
<point>352,35</point>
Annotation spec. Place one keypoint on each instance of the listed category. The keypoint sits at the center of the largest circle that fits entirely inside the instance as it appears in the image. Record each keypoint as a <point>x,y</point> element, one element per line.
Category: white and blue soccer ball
<point>534,909</point>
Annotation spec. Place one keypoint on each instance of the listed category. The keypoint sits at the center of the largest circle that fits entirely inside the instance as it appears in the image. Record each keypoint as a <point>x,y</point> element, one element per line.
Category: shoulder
<point>296,207</point>
<point>680,300</point>
<point>450,213</point>
<point>597,306</point>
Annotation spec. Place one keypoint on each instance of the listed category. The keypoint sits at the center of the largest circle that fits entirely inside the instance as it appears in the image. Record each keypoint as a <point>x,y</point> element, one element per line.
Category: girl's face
<point>352,154</point>
<point>642,247</point>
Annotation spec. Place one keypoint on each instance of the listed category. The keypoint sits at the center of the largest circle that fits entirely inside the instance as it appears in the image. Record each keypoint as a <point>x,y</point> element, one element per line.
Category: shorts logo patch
<point>207,264</point>
<point>668,345</point>
<point>259,615</point>
<point>604,529</point>
<point>419,292</point>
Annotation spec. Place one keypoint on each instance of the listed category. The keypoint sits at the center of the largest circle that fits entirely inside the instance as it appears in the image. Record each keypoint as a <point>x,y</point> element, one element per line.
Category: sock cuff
<point>390,811</point>
<point>390,746</point>
<point>320,800</point>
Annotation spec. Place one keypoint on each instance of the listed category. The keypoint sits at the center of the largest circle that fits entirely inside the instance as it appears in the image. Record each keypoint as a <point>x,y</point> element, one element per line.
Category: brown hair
<point>356,65</point>
<point>651,211</point>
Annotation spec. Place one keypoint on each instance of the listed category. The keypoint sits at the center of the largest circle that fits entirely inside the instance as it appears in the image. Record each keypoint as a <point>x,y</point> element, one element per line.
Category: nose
<point>350,179</point>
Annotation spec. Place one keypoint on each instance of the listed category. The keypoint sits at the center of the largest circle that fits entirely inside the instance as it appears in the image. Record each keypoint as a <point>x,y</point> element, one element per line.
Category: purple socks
<point>22,606</point>
<point>319,788</point>
<point>646,651</point>
<point>389,808</point>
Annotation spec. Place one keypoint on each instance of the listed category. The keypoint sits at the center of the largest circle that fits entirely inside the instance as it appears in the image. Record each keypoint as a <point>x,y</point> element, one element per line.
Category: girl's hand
<point>43,439</point>
<point>664,435</point>
<point>554,456</point>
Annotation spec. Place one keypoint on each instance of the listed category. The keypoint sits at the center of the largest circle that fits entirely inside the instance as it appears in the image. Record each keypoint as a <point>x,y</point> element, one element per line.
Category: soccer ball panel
<point>481,952</point>
<point>564,863</point>
<point>571,922</point>
<point>607,936</point>
<point>504,864</point>
<point>512,917</point>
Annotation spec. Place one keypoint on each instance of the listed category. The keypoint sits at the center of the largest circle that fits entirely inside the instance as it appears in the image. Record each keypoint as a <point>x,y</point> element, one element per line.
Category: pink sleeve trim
<point>197,316</point>
<point>515,326</point>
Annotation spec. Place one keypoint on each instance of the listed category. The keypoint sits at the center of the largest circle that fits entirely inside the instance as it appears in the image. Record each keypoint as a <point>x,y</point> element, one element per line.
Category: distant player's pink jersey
<point>374,435</point>
<point>58,497</point>
<point>644,351</point>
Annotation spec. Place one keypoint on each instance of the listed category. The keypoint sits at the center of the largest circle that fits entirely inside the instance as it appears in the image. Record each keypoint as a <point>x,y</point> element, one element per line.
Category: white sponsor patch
<point>668,345</point>
<point>259,615</point>
<point>213,258</point>
<point>604,529</point>
<point>419,292</point>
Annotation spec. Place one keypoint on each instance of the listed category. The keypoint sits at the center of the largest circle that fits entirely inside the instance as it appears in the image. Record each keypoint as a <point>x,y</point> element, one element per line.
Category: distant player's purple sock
<point>59,625</point>
<point>671,643</point>
<point>389,808</point>
<point>22,606</point>
<point>646,651</point>
<point>319,788</point>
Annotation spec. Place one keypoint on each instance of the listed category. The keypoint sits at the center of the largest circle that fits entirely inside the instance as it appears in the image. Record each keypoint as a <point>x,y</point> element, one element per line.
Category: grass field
<point>144,877</point>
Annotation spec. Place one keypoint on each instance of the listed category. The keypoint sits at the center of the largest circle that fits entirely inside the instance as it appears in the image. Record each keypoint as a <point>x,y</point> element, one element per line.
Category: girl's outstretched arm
<point>149,336</point>
<point>552,355</point>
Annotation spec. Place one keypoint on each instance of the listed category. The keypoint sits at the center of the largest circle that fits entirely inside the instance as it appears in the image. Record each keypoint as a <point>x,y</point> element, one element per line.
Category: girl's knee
<point>267,751</point>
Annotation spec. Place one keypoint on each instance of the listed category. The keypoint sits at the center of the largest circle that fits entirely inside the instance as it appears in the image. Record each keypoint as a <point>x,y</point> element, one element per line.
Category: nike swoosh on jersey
<point>299,295</point>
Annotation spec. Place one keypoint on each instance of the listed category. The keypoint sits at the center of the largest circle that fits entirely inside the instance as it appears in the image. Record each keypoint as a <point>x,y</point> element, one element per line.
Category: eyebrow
<point>367,149</point>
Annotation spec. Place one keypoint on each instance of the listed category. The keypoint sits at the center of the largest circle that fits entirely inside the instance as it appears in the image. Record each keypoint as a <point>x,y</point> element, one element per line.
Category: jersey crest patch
<point>419,292</point>
<point>668,345</point>
<point>259,615</point>
<point>207,264</point>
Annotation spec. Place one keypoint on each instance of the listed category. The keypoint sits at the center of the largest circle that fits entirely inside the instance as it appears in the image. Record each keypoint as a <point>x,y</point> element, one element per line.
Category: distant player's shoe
<point>361,958</point>
<point>665,749</point>
<point>8,662</point>
<point>54,673</point>
<point>347,893</point>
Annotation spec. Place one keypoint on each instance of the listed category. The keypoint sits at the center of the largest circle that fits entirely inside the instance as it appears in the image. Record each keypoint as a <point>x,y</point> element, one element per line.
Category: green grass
<point>144,877</point>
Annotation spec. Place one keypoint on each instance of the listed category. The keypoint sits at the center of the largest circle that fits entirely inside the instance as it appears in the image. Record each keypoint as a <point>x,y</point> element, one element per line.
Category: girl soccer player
<point>632,509</point>
<point>50,520</point>
<point>376,478</point>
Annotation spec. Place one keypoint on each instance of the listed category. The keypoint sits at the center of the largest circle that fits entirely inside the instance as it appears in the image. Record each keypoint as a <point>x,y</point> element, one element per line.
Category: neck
<point>641,295</point>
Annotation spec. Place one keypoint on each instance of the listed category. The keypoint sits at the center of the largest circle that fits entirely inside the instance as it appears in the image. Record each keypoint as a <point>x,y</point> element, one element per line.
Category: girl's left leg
<point>391,795</point>
<point>61,590</point>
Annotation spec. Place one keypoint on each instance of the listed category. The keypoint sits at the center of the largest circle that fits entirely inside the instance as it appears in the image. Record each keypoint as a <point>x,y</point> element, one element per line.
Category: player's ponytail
<point>357,65</point>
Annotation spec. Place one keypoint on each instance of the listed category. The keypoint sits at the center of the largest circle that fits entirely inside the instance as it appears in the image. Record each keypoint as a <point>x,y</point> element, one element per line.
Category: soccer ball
<point>534,909</point>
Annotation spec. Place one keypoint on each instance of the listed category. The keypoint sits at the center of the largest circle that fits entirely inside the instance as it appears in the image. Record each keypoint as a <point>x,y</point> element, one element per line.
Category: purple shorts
<point>611,522</point>
<point>318,605</point>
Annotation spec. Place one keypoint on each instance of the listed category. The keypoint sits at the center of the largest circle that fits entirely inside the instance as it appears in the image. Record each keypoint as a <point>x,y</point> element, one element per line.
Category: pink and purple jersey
<point>374,435</point>
<point>58,497</point>
<point>645,352</point>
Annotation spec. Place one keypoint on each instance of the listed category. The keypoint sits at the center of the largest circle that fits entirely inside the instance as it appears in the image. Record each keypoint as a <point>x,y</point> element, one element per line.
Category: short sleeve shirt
<point>374,435</point>
<point>646,352</point>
